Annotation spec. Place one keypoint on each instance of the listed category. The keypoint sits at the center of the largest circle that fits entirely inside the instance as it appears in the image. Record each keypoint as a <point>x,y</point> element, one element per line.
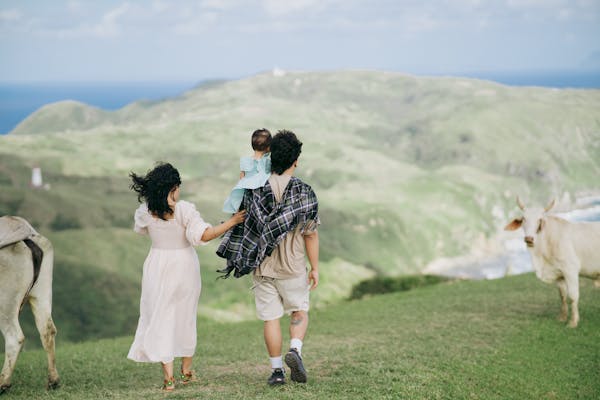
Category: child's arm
<point>242,174</point>
<point>216,231</point>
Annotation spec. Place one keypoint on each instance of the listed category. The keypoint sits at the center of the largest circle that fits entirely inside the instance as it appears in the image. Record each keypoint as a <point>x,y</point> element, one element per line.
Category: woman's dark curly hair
<point>155,186</point>
<point>285,150</point>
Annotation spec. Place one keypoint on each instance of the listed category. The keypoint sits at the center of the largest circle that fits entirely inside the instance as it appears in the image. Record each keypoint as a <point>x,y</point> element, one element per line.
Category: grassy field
<point>458,340</point>
<point>407,170</point>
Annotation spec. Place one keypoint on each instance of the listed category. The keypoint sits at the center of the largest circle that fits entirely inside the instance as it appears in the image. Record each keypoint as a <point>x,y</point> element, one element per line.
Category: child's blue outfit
<point>257,173</point>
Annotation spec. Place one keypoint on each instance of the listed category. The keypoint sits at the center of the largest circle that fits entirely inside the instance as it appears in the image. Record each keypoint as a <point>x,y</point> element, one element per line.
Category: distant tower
<point>278,72</point>
<point>36,178</point>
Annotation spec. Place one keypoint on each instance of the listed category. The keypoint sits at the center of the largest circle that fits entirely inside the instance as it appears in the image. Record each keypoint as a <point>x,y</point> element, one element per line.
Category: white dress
<point>170,285</point>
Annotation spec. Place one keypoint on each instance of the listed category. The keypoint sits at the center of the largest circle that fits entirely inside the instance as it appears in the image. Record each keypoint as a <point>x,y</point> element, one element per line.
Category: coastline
<point>506,254</point>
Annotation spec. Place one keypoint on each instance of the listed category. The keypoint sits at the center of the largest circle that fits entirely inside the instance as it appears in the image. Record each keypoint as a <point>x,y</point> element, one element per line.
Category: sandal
<point>187,377</point>
<point>169,384</point>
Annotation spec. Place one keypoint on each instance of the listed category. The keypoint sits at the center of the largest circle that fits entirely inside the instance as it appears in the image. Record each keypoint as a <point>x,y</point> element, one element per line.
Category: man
<point>279,231</point>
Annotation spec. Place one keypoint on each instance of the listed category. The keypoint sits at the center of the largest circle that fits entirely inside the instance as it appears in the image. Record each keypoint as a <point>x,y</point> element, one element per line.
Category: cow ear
<point>514,225</point>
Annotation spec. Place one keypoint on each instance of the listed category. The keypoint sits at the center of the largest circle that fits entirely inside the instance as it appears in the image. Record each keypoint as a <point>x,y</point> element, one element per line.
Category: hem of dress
<point>164,360</point>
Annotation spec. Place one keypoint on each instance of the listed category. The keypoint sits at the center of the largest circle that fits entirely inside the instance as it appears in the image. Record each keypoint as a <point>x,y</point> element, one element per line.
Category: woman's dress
<point>170,285</point>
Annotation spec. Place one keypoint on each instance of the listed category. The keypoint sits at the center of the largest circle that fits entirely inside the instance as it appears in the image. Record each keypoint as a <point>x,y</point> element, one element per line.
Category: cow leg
<point>572,281</point>
<point>564,308</point>
<point>45,325</point>
<point>13,342</point>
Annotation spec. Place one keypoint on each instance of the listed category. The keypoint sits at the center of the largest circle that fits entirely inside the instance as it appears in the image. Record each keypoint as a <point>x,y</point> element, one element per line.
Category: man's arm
<point>311,242</point>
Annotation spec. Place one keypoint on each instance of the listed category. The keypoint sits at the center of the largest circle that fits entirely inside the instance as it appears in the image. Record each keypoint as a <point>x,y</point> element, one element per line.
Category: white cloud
<point>561,10</point>
<point>109,25</point>
<point>197,25</point>
<point>277,8</point>
<point>11,15</point>
<point>159,6</point>
<point>410,18</point>
<point>75,6</point>
<point>221,5</point>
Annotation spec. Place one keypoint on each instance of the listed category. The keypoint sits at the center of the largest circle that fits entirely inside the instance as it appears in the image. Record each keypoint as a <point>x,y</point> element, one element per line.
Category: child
<point>171,275</point>
<point>254,171</point>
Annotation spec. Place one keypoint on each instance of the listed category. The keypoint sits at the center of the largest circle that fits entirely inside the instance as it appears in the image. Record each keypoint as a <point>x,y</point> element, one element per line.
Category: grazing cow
<point>26,260</point>
<point>560,252</point>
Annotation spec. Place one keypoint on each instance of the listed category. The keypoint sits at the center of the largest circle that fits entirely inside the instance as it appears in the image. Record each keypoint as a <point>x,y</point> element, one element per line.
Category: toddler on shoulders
<point>254,170</point>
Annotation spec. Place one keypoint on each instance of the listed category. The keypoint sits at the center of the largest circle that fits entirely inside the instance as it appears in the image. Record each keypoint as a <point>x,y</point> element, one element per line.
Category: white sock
<point>276,362</point>
<point>296,344</point>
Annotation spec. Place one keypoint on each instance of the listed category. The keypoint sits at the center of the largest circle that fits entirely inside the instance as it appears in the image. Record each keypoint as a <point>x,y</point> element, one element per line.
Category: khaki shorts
<point>274,297</point>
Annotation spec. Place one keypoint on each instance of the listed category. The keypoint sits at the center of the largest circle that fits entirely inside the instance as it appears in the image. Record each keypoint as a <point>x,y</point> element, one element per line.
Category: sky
<point>187,40</point>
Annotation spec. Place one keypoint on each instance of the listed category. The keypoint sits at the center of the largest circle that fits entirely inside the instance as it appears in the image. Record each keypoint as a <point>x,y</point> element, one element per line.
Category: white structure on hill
<point>278,72</point>
<point>36,177</point>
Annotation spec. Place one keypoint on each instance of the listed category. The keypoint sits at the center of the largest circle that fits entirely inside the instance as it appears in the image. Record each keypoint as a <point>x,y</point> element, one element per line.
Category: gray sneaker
<point>294,361</point>
<point>277,377</point>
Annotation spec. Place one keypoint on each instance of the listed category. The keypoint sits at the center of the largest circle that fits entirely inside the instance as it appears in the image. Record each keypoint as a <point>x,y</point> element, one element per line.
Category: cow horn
<point>520,203</point>
<point>550,205</point>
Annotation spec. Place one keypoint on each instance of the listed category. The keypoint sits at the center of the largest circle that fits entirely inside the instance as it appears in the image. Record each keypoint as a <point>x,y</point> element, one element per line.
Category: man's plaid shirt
<point>266,224</point>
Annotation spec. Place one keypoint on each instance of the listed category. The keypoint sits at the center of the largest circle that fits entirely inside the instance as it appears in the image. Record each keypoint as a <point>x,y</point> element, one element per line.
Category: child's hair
<point>155,186</point>
<point>285,150</point>
<point>261,139</point>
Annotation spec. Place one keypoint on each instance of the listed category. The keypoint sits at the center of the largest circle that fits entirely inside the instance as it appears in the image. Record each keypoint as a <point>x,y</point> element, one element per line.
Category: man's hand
<point>313,276</point>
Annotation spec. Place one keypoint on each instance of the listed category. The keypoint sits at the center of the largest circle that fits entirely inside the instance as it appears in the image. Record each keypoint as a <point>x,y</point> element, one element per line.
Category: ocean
<point>18,100</point>
<point>515,259</point>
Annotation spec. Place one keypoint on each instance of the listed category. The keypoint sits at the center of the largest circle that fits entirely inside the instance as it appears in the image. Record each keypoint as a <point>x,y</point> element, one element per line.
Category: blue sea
<point>18,100</point>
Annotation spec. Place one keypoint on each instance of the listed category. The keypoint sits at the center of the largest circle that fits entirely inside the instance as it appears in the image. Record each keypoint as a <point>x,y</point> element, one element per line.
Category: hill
<point>478,340</point>
<point>407,170</point>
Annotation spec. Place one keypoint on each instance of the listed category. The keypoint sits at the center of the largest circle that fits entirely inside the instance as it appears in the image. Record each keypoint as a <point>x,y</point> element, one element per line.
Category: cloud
<point>278,8</point>
<point>197,17</point>
<point>196,25</point>
<point>221,5</point>
<point>75,6</point>
<point>561,10</point>
<point>109,24</point>
<point>11,15</point>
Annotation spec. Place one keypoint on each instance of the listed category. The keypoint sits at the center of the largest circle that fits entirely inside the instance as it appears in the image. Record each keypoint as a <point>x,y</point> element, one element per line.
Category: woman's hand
<point>238,217</point>
<point>216,231</point>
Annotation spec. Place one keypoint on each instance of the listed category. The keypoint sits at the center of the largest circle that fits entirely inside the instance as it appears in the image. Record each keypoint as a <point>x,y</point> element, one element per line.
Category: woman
<point>171,276</point>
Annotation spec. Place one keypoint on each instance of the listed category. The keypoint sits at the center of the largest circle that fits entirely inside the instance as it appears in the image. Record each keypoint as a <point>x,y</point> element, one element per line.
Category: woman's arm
<point>216,231</point>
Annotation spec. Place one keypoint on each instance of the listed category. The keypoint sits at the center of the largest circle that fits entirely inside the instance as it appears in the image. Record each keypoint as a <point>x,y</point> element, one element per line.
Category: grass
<point>407,170</point>
<point>464,340</point>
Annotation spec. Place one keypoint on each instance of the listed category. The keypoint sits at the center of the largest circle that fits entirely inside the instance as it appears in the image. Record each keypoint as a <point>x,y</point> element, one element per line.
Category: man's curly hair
<point>285,150</point>
<point>155,186</point>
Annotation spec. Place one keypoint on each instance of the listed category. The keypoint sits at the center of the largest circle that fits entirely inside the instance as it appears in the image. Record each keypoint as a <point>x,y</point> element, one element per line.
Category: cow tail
<point>37,255</point>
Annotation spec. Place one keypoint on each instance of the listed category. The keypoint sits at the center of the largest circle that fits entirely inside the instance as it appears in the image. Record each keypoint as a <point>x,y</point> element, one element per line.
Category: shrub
<point>386,284</point>
<point>63,221</point>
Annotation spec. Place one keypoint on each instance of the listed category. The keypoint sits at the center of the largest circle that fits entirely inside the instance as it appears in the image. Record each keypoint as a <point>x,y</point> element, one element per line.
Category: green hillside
<point>407,170</point>
<point>477,340</point>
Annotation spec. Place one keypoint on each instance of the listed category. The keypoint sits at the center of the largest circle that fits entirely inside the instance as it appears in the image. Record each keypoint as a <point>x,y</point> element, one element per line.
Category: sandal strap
<point>168,383</point>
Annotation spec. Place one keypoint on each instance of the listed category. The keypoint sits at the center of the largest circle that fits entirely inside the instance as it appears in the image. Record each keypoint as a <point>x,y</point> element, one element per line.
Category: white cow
<point>560,252</point>
<point>21,249</point>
